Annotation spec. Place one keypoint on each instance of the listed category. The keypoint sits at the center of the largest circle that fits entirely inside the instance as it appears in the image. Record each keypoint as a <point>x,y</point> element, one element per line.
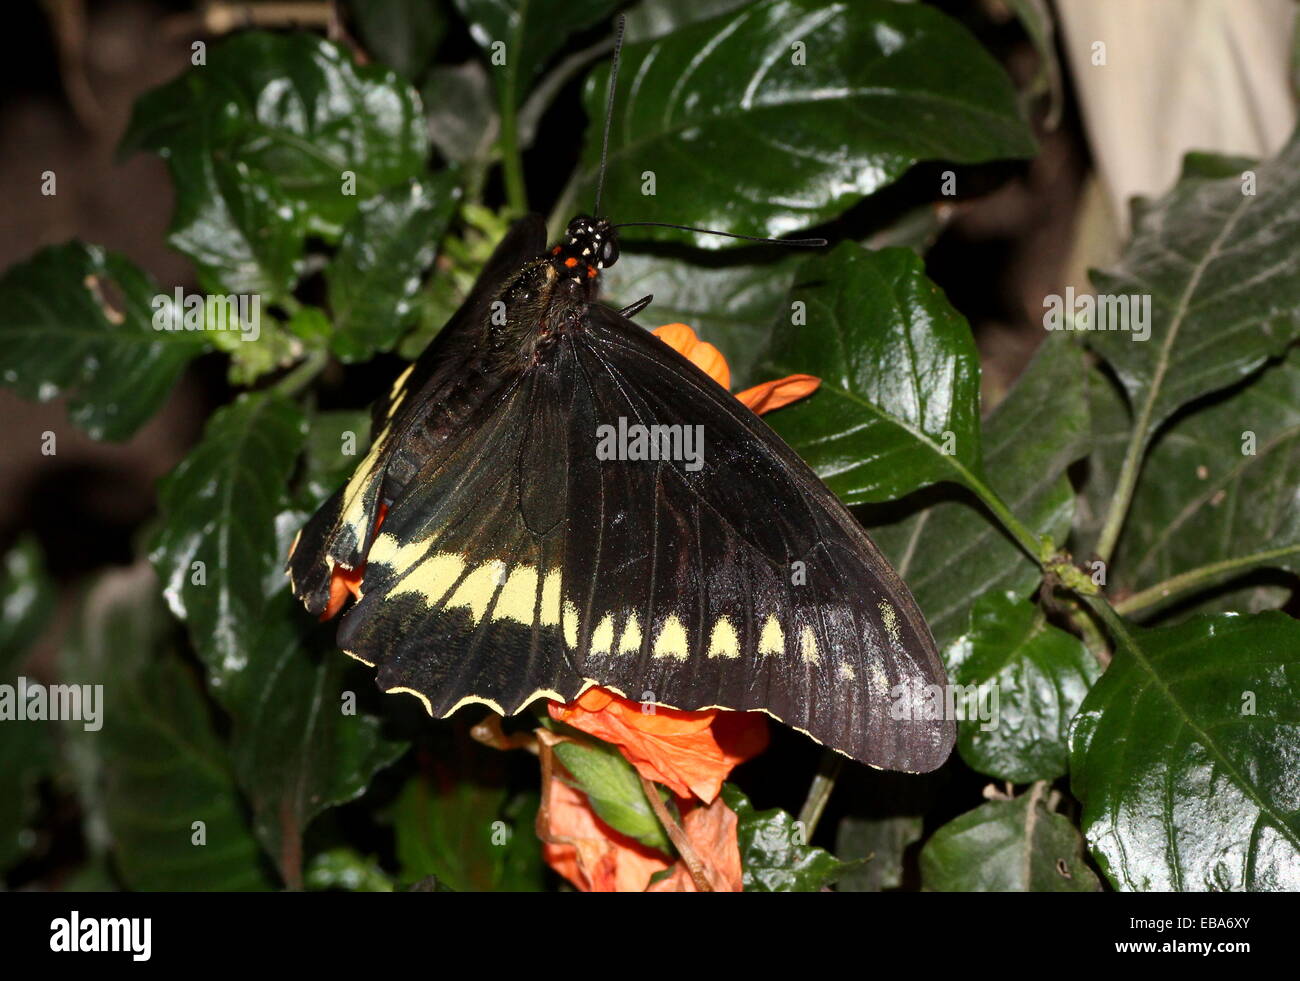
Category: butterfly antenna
<point>808,243</point>
<point>609,112</point>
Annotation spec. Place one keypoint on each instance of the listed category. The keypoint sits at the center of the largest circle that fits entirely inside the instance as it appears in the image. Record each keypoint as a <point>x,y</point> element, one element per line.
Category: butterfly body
<point>505,560</point>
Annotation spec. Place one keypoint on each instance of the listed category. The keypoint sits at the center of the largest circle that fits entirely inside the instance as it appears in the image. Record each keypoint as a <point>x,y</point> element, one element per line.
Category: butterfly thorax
<point>548,298</point>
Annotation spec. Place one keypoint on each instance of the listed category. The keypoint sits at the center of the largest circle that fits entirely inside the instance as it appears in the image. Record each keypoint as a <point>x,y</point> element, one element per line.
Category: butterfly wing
<point>425,406</point>
<point>517,564</point>
<point>739,580</point>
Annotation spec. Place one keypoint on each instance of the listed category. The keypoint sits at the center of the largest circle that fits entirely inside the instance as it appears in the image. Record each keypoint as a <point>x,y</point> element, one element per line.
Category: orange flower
<point>588,852</point>
<point>690,753</point>
<point>711,831</point>
<point>766,397</point>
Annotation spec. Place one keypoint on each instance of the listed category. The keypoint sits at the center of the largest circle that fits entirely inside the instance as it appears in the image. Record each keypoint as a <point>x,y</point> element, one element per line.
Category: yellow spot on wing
<point>602,638</point>
<point>518,599</point>
<point>808,646</point>
<point>671,641</point>
<point>891,620</point>
<point>432,577</point>
<point>772,640</point>
<point>477,589</point>
<point>550,612</point>
<point>630,642</point>
<point>846,672</point>
<point>723,641</point>
<point>570,624</point>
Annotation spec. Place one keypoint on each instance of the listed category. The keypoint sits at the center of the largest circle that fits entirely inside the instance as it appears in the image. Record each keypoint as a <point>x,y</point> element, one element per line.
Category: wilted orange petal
<point>688,752</point>
<point>348,581</point>
<point>774,394</point>
<point>711,831</point>
<point>599,859</point>
<point>700,353</point>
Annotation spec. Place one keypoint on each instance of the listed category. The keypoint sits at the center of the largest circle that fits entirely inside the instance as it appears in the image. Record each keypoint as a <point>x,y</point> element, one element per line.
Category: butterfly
<point>507,556</point>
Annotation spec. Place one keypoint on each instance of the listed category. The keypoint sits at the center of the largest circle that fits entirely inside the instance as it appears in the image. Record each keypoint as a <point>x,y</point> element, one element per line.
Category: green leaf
<point>773,853</point>
<point>804,132</point>
<point>532,31</point>
<point>216,547</point>
<point>655,18</point>
<point>300,744</point>
<point>156,767</point>
<point>1219,488</point>
<point>384,253</point>
<point>467,834</point>
<point>1184,755</point>
<point>732,307</point>
<point>951,552</point>
<point>403,34</point>
<point>26,602</point>
<point>1040,675</point>
<point>614,791</point>
<point>346,870</point>
<point>879,844</point>
<point>1222,270</point>
<point>26,748</point>
<point>1007,846</point>
<point>78,321</point>
<point>462,118</point>
<point>898,406</point>
<point>1036,18</point>
<point>288,114</point>
<point>337,442</point>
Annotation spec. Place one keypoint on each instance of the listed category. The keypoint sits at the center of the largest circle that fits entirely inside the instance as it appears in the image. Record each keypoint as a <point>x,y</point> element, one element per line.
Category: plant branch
<point>512,160</point>
<point>1204,575</point>
<point>303,374</point>
<point>820,792</point>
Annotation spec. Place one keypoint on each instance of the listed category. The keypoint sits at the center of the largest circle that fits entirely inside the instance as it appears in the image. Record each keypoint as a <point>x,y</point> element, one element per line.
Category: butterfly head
<point>590,245</point>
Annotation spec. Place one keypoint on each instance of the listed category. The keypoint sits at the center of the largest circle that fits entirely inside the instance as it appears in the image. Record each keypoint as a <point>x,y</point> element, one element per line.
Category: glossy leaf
<point>462,118</point>
<point>614,791</point>
<point>1036,675</point>
<point>77,321</point>
<point>292,115</point>
<point>1221,487</point>
<point>403,34</point>
<point>773,853</point>
<point>1007,846</point>
<point>804,131</point>
<point>531,31</point>
<point>879,845</point>
<point>1222,269</point>
<point>731,307</point>
<point>951,551</point>
<point>1184,756</point>
<point>898,406</point>
<point>300,744</point>
<point>216,547</point>
<point>655,18</point>
<point>155,774</point>
<point>384,253</point>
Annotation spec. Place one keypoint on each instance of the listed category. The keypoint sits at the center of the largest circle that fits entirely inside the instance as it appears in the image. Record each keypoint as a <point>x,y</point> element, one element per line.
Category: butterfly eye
<point>608,252</point>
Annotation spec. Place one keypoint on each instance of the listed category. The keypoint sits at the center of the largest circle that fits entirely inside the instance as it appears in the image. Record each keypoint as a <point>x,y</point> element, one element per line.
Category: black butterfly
<point>506,561</point>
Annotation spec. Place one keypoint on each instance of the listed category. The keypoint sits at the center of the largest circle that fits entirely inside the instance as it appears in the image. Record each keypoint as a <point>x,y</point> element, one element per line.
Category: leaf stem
<point>1200,576</point>
<point>1128,476</point>
<point>828,771</point>
<point>512,160</point>
<point>1037,549</point>
<point>303,374</point>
